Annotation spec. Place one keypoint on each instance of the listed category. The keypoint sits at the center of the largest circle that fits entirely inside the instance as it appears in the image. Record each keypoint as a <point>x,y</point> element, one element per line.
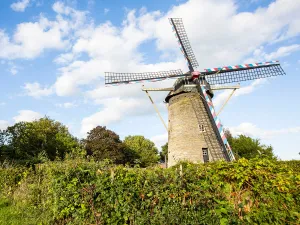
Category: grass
<point>13,215</point>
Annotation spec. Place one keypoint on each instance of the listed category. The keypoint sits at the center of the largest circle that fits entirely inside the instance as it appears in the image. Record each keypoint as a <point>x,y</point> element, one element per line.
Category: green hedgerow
<point>80,192</point>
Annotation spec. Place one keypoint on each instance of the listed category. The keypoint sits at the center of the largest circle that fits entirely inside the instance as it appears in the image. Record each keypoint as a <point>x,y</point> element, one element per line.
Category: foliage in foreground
<point>80,192</point>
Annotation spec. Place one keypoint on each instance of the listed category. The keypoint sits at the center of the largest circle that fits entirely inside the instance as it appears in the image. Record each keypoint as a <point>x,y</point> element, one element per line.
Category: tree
<point>228,136</point>
<point>144,150</point>
<point>2,144</point>
<point>164,153</point>
<point>102,143</point>
<point>29,140</point>
<point>247,147</point>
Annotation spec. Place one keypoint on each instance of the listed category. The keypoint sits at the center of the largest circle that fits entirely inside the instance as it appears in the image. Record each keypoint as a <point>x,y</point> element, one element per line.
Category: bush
<point>242,192</point>
<point>11,178</point>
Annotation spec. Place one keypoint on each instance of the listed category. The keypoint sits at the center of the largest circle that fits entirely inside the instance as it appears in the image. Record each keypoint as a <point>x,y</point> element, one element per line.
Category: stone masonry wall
<point>185,137</point>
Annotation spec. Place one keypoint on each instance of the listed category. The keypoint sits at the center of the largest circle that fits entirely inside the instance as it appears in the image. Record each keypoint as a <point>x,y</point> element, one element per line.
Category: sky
<point>53,55</point>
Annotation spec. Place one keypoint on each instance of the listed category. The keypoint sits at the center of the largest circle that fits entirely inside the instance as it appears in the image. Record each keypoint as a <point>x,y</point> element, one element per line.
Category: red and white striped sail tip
<point>250,65</point>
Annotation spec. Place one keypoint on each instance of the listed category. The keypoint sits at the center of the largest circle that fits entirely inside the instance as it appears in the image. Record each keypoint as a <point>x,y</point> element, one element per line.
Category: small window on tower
<point>201,127</point>
<point>205,155</point>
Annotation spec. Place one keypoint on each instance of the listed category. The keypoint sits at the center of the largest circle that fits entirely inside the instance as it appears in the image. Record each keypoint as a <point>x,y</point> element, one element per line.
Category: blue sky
<point>53,55</point>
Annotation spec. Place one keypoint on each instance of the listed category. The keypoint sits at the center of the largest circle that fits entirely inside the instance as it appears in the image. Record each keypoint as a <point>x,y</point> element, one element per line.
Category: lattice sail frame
<point>214,76</point>
<point>245,72</point>
<point>130,78</point>
<point>184,43</point>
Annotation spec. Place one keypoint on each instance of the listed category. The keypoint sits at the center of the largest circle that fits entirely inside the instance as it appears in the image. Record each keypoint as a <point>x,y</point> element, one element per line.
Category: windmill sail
<point>214,138</point>
<point>129,78</point>
<point>243,72</point>
<point>184,42</point>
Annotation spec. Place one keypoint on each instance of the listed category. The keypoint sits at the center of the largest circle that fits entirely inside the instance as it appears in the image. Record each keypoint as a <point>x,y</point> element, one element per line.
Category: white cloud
<point>229,43</point>
<point>67,105</point>
<point>219,99</point>
<point>282,52</point>
<point>112,111</point>
<point>250,88</point>
<point>252,130</point>
<point>106,10</point>
<point>230,36</point>
<point>60,8</point>
<point>101,92</point>
<point>13,70</point>
<point>105,55</point>
<point>65,58</point>
<point>233,32</point>
<point>78,73</point>
<point>160,140</point>
<point>2,103</point>
<point>260,55</point>
<point>3,124</point>
<point>30,39</point>
<point>35,90</point>
<point>27,116</point>
<point>20,6</point>
<point>115,107</point>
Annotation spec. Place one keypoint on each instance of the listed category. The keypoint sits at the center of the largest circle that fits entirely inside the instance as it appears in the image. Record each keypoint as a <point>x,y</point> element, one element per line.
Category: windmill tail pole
<point>226,101</point>
<point>156,109</point>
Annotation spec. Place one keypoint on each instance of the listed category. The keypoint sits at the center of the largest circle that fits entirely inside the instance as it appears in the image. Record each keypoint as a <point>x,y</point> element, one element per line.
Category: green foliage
<point>37,141</point>
<point>249,148</point>
<point>11,214</point>
<point>81,192</point>
<point>102,143</point>
<point>292,164</point>
<point>145,151</point>
<point>164,153</point>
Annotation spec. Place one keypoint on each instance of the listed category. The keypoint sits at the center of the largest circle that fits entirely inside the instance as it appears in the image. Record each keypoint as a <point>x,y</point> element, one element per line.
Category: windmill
<point>195,132</point>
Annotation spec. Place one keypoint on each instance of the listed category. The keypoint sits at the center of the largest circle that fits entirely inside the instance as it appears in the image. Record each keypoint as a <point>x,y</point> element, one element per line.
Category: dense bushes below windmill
<point>47,176</point>
<point>80,192</point>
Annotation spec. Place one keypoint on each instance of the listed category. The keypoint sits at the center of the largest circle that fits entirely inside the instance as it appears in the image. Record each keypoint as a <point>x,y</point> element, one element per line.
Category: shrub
<point>242,192</point>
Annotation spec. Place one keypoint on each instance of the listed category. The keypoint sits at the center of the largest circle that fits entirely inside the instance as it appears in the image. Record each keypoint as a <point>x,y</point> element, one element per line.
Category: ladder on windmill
<point>208,133</point>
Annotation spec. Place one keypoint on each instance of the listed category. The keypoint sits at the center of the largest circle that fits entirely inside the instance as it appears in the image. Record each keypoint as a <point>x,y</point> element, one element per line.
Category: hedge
<point>80,192</point>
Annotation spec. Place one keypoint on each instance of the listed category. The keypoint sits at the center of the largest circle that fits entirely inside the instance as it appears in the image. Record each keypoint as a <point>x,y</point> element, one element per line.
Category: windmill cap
<point>195,73</point>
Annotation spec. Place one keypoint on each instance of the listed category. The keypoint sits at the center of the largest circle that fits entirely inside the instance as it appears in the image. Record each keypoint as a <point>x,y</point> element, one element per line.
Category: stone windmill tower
<point>195,132</point>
